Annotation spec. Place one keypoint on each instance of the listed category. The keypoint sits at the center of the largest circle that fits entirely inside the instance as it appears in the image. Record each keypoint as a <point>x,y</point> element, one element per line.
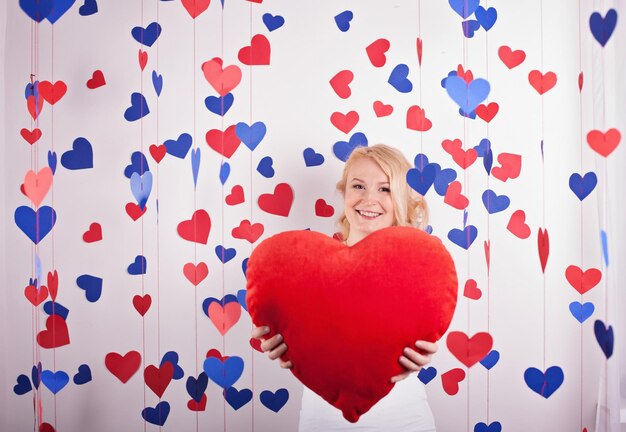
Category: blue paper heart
<point>35,224</point>
<point>443,179</point>
<point>420,161</point>
<point>490,359</point>
<point>469,28</point>
<point>146,36</point>
<point>195,165</point>
<point>172,357</point>
<point>251,136</point>
<point>495,203</point>
<point>241,298</point>
<point>237,398</point>
<point>483,427</point>
<point>139,266</point>
<point>467,96</point>
<point>275,400</point>
<point>488,161</point>
<point>80,157</point>
<point>602,28</point>
<point>92,286</point>
<point>470,115</point>
<point>138,107</point>
<point>157,82</point>
<point>244,266</point>
<point>37,268</point>
<point>35,374</point>
<point>219,104</point>
<point>224,373</point>
<point>228,298</point>
<point>429,229</point>
<point>311,158</point>
<point>265,167</point>
<point>486,18</point>
<point>605,337</point>
<point>179,147</point>
<point>37,10</point>
<point>273,22</point>
<point>544,384</point>
<point>224,172</point>
<point>89,8</point>
<point>55,381</point>
<point>343,20</point>
<point>158,414</point>
<point>422,180</point>
<point>224,254</point>
<point>138,164</point>
<point>581,311</point>
<point>197,387</point>
<point>83,376</point>
<point>141,186</point>
<point>59,7</point>
<point>343,149</point>
<point>583,186</point>
<point>483,147</point>
<point>427,374</point>
<point>56,308</point>
<point>398,79</point>
<point>464,7</point>
<point>463,238</point>
<point>605,247</point>
<point>32,89</point>
<point>23,385</point>
<point>52,161</point>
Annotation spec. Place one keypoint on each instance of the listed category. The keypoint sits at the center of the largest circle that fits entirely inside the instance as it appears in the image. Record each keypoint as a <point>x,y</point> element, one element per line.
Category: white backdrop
<point>526,312</point>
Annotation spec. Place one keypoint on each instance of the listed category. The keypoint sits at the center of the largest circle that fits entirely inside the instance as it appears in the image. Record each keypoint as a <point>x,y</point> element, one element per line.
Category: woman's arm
<point>413,360</point>
<point>274,346</point>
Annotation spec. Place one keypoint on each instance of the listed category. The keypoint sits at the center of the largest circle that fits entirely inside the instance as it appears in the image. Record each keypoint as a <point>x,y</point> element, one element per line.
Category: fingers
<point>285,365</point>
<point>400,377</point>
<point>426,347</point>
<point>259,332</point>
<point>271,343</point>
<point>277,352</point>
<point>413,360</point>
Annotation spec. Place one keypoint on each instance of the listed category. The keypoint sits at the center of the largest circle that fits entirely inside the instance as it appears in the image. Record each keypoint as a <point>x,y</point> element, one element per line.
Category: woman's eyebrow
<point>362,181</point>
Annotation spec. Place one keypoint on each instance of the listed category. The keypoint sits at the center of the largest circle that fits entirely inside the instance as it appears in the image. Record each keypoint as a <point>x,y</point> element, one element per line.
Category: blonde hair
<point>410,208</point>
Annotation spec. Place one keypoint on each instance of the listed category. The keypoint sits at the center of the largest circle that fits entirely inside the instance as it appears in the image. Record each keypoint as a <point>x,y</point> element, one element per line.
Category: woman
<point>376,195</point>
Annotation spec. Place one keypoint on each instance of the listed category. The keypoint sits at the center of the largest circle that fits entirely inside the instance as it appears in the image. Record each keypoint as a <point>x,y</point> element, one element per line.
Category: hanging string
<point>195,244</point>
<point>251,203</point>
<point>543,184</point>
<point>222,201</point>
<point>580,124</point>
<point>143,270</point>
<point>488,226</point>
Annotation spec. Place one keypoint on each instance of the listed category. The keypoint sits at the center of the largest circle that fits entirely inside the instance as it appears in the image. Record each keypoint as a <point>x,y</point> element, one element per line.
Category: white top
<point>404,409</point>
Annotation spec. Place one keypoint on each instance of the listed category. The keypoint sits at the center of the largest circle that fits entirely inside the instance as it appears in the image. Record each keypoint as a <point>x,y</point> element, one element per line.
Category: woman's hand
<point>274,346</point>
<point>413,360</point>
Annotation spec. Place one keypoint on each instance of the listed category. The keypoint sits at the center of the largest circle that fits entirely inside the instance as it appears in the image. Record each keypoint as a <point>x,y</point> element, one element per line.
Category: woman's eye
<point>385,189</point>
<point>357,186</point>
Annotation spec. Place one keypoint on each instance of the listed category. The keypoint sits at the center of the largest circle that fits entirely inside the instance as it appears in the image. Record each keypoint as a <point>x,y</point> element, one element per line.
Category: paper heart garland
<point>368,301</point>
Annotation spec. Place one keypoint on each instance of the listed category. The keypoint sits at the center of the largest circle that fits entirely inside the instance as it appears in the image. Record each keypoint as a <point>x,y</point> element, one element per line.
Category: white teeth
<point>368,214</point>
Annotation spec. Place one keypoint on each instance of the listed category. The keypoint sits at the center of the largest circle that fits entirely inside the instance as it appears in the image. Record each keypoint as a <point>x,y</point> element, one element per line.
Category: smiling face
<point>367,199</point>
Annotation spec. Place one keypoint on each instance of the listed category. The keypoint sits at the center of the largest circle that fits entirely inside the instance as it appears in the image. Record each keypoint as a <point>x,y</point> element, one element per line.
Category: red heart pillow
<point>346,313</point>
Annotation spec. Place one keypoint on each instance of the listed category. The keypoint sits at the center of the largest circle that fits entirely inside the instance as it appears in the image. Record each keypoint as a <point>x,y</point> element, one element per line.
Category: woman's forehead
<point>367,169</point>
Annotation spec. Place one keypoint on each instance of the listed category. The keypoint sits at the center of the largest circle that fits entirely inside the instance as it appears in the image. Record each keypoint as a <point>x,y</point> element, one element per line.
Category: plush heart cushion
<point>346,313</point>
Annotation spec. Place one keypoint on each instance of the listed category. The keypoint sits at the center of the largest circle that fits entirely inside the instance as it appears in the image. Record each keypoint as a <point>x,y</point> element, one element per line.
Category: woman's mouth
<point>368,214</point>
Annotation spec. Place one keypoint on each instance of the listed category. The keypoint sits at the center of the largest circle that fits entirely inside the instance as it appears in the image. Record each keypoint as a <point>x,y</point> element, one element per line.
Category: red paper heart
<point>471,290</point>
<point>469,351</point>
<point>214,352</point>
<point>376,52</point>
<point>37,185</point>
<point>225,143</point>
<point>34,106</point>
<point>487,112</point>
<point>322,209</point>
<point>467,76</point>
<point>53,284</point>
<point>46,427</point>
<point>248,231</point>
<point>236,196</point>
<point>543,245</point>
<point>158,152</point>
<point>142,303</point>
<point>344,122</point>
<point>517,225</point>
<point>511,58</point>
<point>123,367</point>
<point>450,380</point>
<point>197,406</point>
<point>364,302</point>
<point>134,211</point>
<point>31,137</point>
<point>454,197</point>
<point>223,80</point>
<point>416,119</point>
<point>256,344</point>
<point>258,53</point>
<point>195,7</point>
<point>143,59</point>
<point>56,333</point>
<point>580,81</point>
<point>278,203</point>
<point>419,50</point>
<point>487,248</point>
<point>96,80</point>
<point>542,82</point>
<point>93,234</point>
<point>341,83</point>
<point>158,378</point>
<point>511,166</point>
<point>582,281</point>
<point>36,296</point>
<point>195,273</point>
<point>381,109</point>
<point>197,228</point>
<point>52,93</point>
<point>224,317</point>
<point>604,143</point>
